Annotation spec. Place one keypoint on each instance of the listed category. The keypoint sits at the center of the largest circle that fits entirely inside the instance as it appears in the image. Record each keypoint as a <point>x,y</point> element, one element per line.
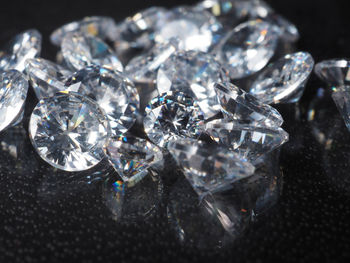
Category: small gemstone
<point>246,109</point>
<point>13,93</point>
<point>208,168</point>
<point>46,77</point>
<point>284,80</point>
<point>131,157</point>
<point>172,116</point>
<point>248,48</point>
<point>341,97</point>
<point>69,131</point>
<point>193,73</point>
<point>195,29</point>
<point>334,72</point>
<point>112,90</point>
<point>248,141</point>
<point>98,26</point>
<point>24,46</point>
<point>289,32</point>
<point>80,51</point>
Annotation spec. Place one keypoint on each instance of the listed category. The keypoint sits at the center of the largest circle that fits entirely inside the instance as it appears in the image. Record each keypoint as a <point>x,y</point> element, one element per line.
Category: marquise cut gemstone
<point>172,116</point>
<point>244,108</point>
<point>24,46</point>
<point>284,80</point>
<point>208,168</point>
<point>69,131</point>
<point>334,71</point>
<point>248,47</point>
<point>112,90</point>
<point>341,97</point>
<point>80,51</point>
<point>13,93</point>
<point>248,141</point>
<point>46,77</point>
<point>193,73</point>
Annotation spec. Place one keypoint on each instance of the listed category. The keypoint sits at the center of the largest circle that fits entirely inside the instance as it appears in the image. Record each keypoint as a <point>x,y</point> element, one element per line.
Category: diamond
<point>334,72</point>
<point>245,108</point>
<point>195,74</point>
<point>24,46</point>
<point>112,90</point>
<point>131,157</point>
<point>341,97</point>
<point>80,51</point>
<point>209,168</point>
<point>248,141</point>
<point>98,26</point>
<point>13,93</point>
<point>196,30</point>
<point>283,81</point>
<point>46,77</point>
<point>69,131</point>
<point>248,48</point>
<point>289,32</point>
<point>172,116</point>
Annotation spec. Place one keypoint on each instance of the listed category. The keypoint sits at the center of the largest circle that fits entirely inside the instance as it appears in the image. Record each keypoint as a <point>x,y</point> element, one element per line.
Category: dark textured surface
<point>68,221</point>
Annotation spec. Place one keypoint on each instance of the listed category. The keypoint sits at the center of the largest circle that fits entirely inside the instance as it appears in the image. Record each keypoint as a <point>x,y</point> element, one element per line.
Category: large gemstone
<point>334,72</point>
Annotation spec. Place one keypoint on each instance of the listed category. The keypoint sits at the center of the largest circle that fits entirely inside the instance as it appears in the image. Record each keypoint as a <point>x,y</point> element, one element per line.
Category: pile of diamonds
<point>175,92</point>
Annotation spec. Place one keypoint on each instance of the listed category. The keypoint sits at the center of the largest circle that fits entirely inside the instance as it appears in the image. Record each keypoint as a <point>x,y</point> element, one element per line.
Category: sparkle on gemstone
<point>80,51</point>
<point>172,116</point>
<point>46,77</point>
<point>131,157</point>
<point>248,141</point>
<point>341,97</point>
<point>98,26</point>
<point>284,80</point>
<point>13,93</point>
<point>248,47</point>
<point>208,168</point>
<point>193,73</point>
<point>289,32</point>
<point>112,90</point>
<point>334,71</point>
<point>69,131</point>
<point>246,109</point>
<point>24,46</point>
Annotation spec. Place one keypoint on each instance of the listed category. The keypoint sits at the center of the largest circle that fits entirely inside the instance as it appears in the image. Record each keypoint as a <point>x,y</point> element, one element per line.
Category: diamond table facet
<point>334,71</point>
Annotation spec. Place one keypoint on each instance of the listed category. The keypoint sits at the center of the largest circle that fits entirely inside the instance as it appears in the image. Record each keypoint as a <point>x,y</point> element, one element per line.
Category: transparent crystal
<point>112,90</point>
<point>334,71</point>
<point>171,116</point>
<point>289,32</point>
<point>196,30</point>
<point>341,97</point>
<point>22,47</point>
<point>245,108</point>
<point>46,77</point>
<point>131,157</point>
<point>193,73</point>
<point>209,168</point>
<point>248,47</point>
<point>98,26</point>
<point>69,131</point>
<point>248,141</point>
<point>284,80</point>
<point>13,93</point>
<point>80,51</point>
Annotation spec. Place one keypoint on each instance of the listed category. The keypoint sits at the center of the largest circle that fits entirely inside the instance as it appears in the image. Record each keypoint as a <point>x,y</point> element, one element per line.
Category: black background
<point>310,222</point>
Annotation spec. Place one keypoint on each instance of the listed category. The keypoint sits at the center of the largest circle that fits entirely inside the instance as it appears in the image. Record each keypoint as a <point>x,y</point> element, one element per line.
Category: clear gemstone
<point>245,108</point>
<point>208,168</point>
<point>171,116</point>
<point>248,141</point>
<point>341,97</point>
<point>80,51</point>
<point>284,80</point>
<point>334,72</point>
<point>248,48</point>
<point>112,90</point>
<point>289,32</point>
<point>131,157</point>
<point>13,93</point>
<point>24,46</point>
<point>195,74</point>
<point>69,131</point>
<point>98,26</point>
<point>46,77</point>
<point>196,30</point>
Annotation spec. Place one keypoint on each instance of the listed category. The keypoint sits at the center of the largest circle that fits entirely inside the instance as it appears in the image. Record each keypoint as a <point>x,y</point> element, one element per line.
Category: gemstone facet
<point>341,97</point>
<point>69,131</point>
<point>334,72</point>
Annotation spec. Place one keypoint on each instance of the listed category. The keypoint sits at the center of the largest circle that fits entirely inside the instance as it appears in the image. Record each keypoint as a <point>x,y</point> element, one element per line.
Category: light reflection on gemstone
<point>341,97</point>
<point>334,71</point>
